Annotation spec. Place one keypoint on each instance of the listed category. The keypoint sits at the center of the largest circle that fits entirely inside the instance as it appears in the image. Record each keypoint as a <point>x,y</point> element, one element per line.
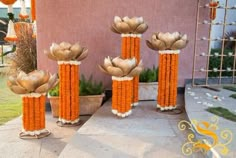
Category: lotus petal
<point>113,29</point>
<point>43,88</point>
<point>125,65</point>
<point>136,71</point>
<point>65,45</point>
<point>103,69</point>
<point>167,38</point>
<point>54,47</point>
<point>140,20</point>
<point>149,44</point>
<point>141,28</point>
<point>59,54</point>
<point>133,23</point>
<point>117,19</point>
<point>52,80</point>
<point>30,83</point>
<point>83,55</point>
<point>123,27</point>
<point>49,55</point>
<point>180,44</point>
<point>114,71</point>
<point>11,81</point>
<point>107,62</point>
<point>43,76</point>
<point>18,89</point>
<point>68,55</point>
<point>158,44</point>
<point>184,37</point>
<point>76,50</point>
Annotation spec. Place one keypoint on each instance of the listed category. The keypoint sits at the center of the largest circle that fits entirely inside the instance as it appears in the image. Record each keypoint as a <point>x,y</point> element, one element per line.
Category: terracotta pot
<point>54,102</point>
<point>148,90</point>
<point>90,104</point>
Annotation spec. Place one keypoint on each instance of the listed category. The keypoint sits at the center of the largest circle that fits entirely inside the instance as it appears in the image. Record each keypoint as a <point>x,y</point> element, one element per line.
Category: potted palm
<point>91,96</point>
<point>148,84</point>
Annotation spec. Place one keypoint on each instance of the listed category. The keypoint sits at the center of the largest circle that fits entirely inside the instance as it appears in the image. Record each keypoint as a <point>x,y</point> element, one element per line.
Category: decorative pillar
<point>33,88</point>
<point>68,57</point>
<point>69,91</point>
<point>168,46</point>
<point>122,72</point>
<point>121,96</point>
<point>131,30</point>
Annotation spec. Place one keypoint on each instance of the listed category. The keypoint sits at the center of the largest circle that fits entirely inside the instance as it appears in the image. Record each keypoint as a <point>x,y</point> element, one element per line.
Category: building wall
<point>88,21</point>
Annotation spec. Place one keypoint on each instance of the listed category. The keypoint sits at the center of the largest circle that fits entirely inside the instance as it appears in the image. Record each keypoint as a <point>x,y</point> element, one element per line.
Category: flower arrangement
<point>68,57</point>
<point>131,30</point>
<point>33,88</point>
<point>122,72</point>
<point>168,46</point>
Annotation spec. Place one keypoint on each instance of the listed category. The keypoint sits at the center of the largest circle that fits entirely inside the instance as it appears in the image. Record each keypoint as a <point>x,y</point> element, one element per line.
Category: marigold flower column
<point>131,30</point>
<point>122,72</point>
<point>68,57</point>
<point>33,88</point>
<point>168,46</point>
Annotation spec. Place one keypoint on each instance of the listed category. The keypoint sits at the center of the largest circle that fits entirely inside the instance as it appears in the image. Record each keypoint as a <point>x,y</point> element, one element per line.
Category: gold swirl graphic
<point>210,140</point>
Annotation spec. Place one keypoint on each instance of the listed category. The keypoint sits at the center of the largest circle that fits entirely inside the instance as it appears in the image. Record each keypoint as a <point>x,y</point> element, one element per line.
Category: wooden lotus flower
<point>66,52</point>
<point>167,41</point>
<point>125,25</point>
<point>37,81</point>
<point>121,67</point>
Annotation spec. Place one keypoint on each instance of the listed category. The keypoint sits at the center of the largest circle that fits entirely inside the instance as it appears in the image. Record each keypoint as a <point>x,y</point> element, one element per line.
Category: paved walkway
<point>144,134</point>
<point>11,146</point>
<point>197,100</point>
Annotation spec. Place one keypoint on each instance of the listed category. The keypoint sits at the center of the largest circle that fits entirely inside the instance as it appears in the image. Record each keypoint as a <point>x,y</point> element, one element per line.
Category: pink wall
<point>88,21</point>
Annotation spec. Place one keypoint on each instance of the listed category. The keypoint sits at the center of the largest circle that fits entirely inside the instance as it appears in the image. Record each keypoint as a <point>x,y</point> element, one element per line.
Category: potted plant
<point>53,96</point>
<point>91,96</point>
<point>148,84</point>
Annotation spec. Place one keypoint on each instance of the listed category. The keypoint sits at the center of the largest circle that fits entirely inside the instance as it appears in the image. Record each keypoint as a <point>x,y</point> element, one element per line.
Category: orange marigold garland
<point>68,102</point>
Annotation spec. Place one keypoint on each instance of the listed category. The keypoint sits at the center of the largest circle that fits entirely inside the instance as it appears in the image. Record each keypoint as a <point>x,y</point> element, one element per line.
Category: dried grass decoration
<point>131,30</point>
<point>25,57</point>
<point>122,72</point>
<point>33,88</point>
<point>168,45</point>
<point>69,57</point>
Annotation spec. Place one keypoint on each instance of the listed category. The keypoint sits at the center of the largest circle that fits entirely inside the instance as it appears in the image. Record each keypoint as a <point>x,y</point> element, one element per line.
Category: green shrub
<point>214,62</point>
<point>55,91</point>
<point>90,87</point>
<point>149,75</point>
<point>87,87</point>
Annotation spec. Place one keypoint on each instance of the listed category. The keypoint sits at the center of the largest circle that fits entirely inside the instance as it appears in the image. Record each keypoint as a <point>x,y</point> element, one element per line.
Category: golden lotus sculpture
<point>135,25</point>
<point>37,81</point>
<point>121,67</point>
<point>167,41</point>
<point>67,52</point>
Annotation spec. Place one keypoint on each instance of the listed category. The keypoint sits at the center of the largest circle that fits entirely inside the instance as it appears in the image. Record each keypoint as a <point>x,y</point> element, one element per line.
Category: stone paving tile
<point>11,146</point>
<point>202,115</point>
<point>146,133</point>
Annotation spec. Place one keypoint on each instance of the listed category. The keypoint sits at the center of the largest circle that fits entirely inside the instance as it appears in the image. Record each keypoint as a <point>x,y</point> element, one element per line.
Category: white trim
<point>35,132</point>
<point>33,95</point>
<point>68,121</point>
<point>169,107</point>
<point>125,78</point>
<point>71,62</point>
<point>135,104</point>
<point>169,51</point>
